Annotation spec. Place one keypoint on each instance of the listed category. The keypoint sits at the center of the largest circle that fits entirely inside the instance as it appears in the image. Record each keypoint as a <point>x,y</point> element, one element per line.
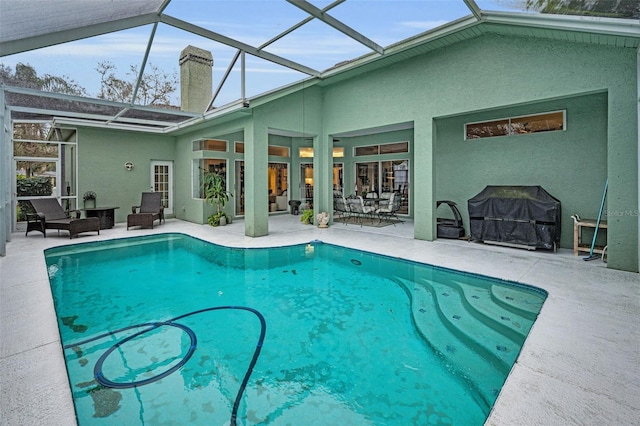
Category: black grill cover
<point>521,215</point>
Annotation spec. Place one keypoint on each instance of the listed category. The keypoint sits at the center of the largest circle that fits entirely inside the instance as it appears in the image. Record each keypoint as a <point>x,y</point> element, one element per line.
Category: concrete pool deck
<point>580,364</point>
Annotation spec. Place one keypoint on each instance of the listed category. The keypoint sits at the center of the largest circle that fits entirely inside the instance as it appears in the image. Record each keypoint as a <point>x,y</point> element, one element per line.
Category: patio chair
<point>359,209</point>
<point>391,210</point>
<point>385,197</point>
<point>149,210</point>
<point>50,215</point>
<point>341,207</point>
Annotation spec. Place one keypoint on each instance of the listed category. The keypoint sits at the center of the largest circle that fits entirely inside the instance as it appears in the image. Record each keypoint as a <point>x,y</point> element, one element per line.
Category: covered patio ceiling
<point>271,33</point>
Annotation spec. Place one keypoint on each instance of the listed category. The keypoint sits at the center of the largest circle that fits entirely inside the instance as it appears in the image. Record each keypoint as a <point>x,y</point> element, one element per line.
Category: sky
<point>315,44</point>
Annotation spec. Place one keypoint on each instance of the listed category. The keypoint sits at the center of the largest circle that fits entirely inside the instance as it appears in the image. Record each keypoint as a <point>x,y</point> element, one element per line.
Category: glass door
<point>162,181</point>
<point>338,178</point>
<point>384,176</point>
<point>239,188</point>
<point>395,178</point>
<point>367,176</point>
<point>306,185</point>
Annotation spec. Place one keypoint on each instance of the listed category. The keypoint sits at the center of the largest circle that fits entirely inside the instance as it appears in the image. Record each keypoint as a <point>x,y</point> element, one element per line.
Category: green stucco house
<point>490,99</point>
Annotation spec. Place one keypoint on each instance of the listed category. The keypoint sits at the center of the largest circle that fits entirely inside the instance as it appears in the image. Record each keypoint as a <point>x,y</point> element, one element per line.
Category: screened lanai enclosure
<point>298,103</point>
<point>303,100</point>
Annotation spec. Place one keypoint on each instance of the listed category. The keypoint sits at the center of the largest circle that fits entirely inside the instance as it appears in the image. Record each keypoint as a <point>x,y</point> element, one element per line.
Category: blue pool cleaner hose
<point>100,378</point>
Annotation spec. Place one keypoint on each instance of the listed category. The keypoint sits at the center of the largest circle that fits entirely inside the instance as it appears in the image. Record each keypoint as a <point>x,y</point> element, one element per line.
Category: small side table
<point>578,244</point>
<point>107,215</point>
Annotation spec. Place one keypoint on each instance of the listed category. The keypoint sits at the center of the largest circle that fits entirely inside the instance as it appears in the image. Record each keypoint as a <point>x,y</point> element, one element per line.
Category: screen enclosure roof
<point>288,41</point>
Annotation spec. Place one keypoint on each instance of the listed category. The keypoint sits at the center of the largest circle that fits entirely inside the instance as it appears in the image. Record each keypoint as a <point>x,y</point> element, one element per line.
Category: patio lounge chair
<point>50,215</point>
<point>147,212</point>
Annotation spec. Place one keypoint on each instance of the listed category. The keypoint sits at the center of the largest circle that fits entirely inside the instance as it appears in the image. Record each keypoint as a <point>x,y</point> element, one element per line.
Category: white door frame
<point>155,183</point>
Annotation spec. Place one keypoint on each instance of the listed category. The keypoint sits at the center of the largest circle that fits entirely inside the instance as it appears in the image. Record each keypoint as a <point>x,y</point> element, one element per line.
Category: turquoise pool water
<point>351,337</point>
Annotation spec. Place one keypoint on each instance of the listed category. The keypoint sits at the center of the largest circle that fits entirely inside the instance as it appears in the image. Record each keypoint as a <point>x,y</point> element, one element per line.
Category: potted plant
<point>307,217</point>
<point>215,192</point>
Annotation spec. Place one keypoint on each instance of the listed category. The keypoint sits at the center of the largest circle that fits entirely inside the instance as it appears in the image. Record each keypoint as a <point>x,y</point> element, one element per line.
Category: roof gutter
<point>102,125</point>
<point>590,24</point>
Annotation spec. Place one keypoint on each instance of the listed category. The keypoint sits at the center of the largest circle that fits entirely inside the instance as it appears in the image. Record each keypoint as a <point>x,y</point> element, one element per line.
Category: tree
<point>156,86</point>
<point>629,9</point>
<point>26,76</point>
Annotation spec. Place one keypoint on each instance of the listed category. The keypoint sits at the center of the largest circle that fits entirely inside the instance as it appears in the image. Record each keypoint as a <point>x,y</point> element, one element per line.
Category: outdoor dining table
<point>374,201</point>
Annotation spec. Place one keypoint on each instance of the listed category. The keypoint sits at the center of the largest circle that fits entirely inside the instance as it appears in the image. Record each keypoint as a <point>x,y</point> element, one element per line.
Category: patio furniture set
<point>384,208</point>
<point>49,214</point>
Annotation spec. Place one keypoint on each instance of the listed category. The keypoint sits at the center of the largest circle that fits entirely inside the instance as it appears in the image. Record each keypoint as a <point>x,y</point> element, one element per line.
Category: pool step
<point>484,330</point>
<point>483,305</point>
<point>103,246</point>
<point>526,305</point>
<point>485,375</point>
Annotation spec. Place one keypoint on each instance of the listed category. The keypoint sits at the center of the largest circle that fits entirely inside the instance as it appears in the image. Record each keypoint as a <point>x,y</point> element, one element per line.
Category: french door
<point>162,181</point>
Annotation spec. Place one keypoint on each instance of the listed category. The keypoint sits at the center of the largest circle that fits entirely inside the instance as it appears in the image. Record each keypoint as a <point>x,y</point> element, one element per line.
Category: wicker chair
<point>147,212</point>
<point>50,215</point>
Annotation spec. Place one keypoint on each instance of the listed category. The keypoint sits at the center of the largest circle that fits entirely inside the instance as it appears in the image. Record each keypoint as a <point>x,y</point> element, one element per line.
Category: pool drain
<point>150,326</point>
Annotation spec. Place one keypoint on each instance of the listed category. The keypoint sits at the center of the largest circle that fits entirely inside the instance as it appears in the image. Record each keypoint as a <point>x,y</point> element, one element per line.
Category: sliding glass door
<point>384,176</point>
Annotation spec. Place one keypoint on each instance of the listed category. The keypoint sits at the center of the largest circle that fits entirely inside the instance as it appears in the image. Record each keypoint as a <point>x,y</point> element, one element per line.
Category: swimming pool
<point>349,337</point>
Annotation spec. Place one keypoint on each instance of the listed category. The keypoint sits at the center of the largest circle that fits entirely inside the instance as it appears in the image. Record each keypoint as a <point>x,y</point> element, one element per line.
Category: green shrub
<point>34,186</point>
<point>30,187</point>
<point>307,217</point>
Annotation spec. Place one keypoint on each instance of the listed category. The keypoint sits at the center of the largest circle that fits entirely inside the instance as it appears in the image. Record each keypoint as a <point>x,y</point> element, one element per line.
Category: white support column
<point>638,136</point>
<point>5,176</point>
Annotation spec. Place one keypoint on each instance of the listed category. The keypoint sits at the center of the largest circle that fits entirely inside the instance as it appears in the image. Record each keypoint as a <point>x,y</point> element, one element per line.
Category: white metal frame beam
<point>262,46</point>
<point>11,47</point>
<point>338,25</point>
<point>299,24</point>
<point>473,7</point>
<point>194,29</point>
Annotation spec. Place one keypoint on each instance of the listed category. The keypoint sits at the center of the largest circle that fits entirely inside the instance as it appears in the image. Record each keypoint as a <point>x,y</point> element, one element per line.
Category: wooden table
<point>580,245</point>
<point>105,214</point>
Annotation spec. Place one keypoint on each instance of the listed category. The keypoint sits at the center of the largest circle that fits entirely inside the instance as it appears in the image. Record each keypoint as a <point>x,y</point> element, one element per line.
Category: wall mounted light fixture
<point>128,165</point>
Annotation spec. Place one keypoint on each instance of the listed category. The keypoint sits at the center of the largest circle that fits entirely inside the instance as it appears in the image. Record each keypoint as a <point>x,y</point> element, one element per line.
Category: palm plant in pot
<point>215,192</point>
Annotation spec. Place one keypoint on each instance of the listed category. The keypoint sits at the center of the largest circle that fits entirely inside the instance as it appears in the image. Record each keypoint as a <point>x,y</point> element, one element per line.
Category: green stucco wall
<point>571,165</point>
<point>102,155</point>
<point>496,72</point>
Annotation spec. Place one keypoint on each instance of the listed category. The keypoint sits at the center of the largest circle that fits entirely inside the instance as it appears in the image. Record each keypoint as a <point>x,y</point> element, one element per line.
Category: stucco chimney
<point>196,84</point>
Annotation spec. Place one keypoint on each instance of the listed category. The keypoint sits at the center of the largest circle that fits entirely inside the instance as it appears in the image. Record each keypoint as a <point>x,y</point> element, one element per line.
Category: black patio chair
<point>50,215</point>
<point>149,210</point>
